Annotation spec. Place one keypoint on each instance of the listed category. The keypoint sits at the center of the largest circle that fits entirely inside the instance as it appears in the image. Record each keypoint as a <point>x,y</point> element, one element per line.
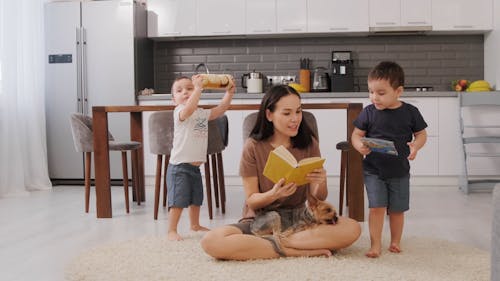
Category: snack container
<point>216,81</point>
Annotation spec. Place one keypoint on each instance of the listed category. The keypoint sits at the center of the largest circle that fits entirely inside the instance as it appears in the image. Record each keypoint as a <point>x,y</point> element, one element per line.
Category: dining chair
<point>308,117</point>
<point>81,128</point>
<point>161,135</point>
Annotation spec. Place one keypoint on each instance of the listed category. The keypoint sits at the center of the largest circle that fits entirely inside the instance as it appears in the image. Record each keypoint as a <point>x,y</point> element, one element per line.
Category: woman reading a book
<point>279,122</point>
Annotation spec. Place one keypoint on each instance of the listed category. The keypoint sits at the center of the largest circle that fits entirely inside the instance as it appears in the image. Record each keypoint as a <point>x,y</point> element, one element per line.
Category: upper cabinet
<point>260,16</point>
<point>169,18</point>
<point>219,17</point>
<point>292,16</point>
<point>460,15</point>
<point>337,16</point>
<point>400,14</point>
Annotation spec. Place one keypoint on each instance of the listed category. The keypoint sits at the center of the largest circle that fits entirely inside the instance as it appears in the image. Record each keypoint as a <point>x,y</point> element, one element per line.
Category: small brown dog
<point>269,225</point>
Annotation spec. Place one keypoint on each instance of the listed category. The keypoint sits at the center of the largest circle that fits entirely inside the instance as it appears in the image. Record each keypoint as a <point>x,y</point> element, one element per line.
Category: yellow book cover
<point>282,164</point>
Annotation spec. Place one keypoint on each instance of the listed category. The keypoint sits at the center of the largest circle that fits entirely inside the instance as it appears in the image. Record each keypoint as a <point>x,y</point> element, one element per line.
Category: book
<point>380,145</point>
<point>282,164</point>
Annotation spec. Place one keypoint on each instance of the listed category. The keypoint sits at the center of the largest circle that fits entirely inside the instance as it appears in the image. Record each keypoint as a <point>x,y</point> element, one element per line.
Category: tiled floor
<point>41,233</point>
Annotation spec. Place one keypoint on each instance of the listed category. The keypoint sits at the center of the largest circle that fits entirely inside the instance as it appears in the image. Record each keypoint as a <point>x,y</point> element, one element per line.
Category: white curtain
<point>23,149</point>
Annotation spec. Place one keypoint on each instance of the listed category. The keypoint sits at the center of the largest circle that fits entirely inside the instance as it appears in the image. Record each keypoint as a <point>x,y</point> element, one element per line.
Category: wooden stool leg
<point>167,160</point>
<point>157,184</point>
<point>213,159</point>
<point>136,179</point>
<point>88,159</point>
<point>125,178</point>
<point>222,185</point>
<point>342,180</point>
<point>208,188</point>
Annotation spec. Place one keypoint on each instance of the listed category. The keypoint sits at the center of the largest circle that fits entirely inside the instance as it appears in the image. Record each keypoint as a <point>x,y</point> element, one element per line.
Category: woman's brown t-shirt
<point>253,160</point>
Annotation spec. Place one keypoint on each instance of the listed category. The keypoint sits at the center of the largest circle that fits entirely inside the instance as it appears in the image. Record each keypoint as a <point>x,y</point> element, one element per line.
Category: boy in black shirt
<point>387,177</point>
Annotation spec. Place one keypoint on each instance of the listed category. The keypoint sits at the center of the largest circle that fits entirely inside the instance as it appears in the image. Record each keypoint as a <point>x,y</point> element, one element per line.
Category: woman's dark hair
<point>264,129</point>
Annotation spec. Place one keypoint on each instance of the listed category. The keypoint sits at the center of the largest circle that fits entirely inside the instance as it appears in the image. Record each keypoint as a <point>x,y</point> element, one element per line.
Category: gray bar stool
<point>81,128</point>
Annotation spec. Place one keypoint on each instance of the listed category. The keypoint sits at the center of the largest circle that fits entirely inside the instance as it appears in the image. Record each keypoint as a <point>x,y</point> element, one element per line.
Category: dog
<point>269,224</point>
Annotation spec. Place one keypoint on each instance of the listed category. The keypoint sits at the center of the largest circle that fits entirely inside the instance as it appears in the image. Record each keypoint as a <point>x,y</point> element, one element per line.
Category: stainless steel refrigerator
<point>97,53</point>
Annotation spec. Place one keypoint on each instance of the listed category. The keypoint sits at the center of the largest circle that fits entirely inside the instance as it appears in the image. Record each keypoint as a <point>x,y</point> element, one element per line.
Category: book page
<point>308,160</point>
<point>286,155</point>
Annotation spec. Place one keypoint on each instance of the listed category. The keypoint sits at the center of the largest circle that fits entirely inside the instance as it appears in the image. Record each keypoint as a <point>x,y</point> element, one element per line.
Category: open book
<point>380,145</point>
<point>282,164</point>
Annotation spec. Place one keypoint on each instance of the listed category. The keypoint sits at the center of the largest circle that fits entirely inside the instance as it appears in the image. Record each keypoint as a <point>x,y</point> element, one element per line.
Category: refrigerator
<point>97,53</point>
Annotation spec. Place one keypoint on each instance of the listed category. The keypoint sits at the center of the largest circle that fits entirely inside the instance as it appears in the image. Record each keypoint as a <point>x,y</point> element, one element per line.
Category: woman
<point>279,123</point>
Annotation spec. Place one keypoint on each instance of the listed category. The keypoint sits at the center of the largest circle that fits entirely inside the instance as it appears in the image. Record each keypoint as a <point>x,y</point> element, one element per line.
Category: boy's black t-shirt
<point>397,125</point>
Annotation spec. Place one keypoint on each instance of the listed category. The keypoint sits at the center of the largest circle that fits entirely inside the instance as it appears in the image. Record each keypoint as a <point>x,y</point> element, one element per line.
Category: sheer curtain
<point>23,150</point>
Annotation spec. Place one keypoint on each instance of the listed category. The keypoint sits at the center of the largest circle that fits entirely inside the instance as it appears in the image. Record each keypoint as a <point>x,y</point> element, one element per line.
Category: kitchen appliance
<point>342,79</point>
<point>321,80</point>
<point>94,57</point>
<point>253,82</point>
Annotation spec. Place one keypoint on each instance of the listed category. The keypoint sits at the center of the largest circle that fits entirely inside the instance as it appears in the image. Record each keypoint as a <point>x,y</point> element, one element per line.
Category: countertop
<point>218,95</point>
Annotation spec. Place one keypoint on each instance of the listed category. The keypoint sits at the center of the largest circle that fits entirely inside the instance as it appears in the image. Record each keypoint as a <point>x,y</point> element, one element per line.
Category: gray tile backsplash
<point>428,60</point>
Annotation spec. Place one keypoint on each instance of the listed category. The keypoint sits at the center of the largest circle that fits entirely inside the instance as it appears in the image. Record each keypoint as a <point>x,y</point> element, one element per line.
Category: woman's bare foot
<point>374,252</point>
<point>174,236</point>
<point>199,228</point>
<point>395,248</point>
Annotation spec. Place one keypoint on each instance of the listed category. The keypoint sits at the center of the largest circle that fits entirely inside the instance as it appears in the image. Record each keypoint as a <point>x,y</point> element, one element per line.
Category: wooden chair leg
<point>208,188</point>
<point>215,177</point>
<point>167,160</point>
<point>125,179</point>
<point>222,185</point>
<point>343,167</point>
<point>157,184</point>
<point>88,161</point>
<point>135,172</point>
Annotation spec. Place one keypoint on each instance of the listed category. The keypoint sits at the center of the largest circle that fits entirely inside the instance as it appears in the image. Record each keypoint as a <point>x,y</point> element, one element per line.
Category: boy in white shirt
<point>189,150</point>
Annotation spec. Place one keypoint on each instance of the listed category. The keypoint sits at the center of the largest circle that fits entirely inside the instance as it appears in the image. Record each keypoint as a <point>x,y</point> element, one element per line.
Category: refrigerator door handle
<point>79,94</point>
<point>84,72</point>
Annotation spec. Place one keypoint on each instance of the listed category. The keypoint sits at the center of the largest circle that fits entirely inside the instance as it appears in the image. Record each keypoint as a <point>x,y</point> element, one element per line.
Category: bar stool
<point>344,147</point>
<point>218,132</point>
<point>81,128</point>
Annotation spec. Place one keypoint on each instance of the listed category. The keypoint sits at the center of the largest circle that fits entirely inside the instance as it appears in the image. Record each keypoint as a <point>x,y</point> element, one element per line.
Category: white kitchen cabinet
<point>291,16</point>
<point>460,15</point>
<point>220,17</point>
<point>428,107</point>
<point>337,16</point>
<point>171,18</point>
<point>260,16</point>
<point>426,162</point>
<point>400,13</point>
<point>450,160</point>
<point>416,13</point>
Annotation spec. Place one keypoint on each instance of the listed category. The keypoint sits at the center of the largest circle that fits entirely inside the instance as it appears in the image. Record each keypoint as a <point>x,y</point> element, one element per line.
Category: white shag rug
<point>156,258</point>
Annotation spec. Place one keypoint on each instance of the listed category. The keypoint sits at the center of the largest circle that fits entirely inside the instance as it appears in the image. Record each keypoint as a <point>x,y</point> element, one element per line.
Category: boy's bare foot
<point>373,253</point>
<point>174,236</point>
<point>395,248</point>
<point>199,228</point>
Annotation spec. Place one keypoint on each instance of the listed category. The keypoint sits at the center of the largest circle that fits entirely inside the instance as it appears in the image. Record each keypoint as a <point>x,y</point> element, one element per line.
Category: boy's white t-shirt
<point>190,137</point>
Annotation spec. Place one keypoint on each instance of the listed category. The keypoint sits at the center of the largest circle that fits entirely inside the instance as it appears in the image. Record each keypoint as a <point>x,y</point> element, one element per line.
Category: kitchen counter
<point>218,95</point>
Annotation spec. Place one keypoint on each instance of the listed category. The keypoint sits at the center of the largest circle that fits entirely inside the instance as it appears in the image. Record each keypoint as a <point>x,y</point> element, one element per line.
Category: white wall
<point>491,50</point>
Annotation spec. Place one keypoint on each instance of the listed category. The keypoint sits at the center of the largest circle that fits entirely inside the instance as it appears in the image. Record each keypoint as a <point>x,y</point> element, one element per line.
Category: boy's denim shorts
<point>393,193</point>
<point>184,185</point>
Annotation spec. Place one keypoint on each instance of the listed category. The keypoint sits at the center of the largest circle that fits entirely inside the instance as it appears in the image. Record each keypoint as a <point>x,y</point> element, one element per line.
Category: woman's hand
<point>317,176</point>
<point>279,190</point>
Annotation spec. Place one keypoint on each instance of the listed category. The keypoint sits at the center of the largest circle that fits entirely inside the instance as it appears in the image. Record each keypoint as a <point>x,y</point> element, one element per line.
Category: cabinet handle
<point>292,29</point>
<point>221,32</point>
<point>385,23</point>
<point>338,28</point>
<point>416,22</point>
<point>261,30</point>
<point>171,33</point>
<point>463,26</point>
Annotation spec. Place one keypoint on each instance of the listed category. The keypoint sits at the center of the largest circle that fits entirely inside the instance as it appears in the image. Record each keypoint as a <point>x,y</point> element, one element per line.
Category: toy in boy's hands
<point>380,145</point>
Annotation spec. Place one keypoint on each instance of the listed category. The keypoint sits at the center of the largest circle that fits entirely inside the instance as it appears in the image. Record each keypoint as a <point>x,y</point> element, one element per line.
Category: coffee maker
<point>342,78</point>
